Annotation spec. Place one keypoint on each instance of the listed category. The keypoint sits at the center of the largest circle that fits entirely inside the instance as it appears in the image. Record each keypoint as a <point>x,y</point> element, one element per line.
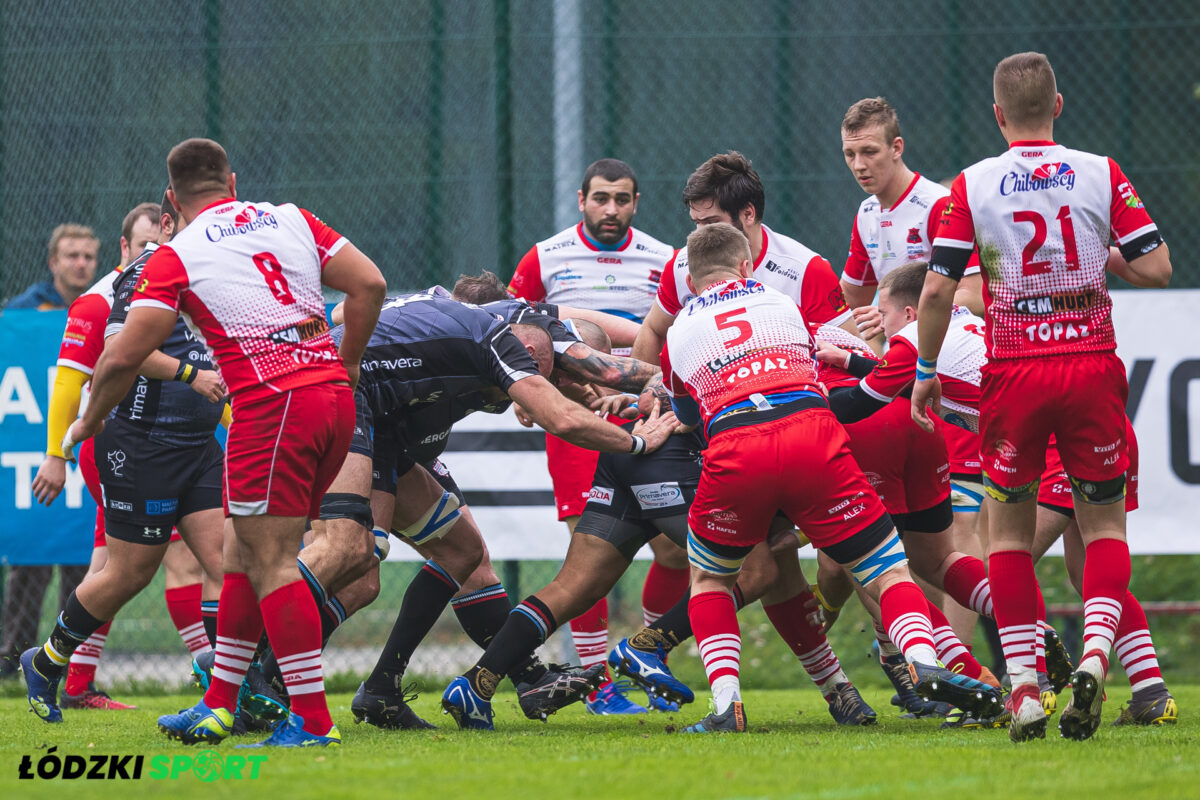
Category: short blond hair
<point>69,230</point>
<point>711,248</point>
<point>1024,87</point>
<point>869,112</point>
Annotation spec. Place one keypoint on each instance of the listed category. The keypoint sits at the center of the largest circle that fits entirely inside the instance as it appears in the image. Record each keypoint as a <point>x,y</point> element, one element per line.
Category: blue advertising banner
<point>31,533</point>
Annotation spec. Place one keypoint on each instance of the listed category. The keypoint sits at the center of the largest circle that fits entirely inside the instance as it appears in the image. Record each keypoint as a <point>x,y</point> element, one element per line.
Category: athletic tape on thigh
<point>965,498</point>
<point>1016,494</point>
<point>704,558</point>
<point>888,554</point>
<point>434,523</point>
<point>1099,493</point>
<point>347,505</point>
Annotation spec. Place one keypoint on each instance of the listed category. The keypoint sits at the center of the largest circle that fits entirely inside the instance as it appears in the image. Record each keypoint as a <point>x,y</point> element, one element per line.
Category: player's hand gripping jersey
<point>886,238</point>
<point>1042,216</point>
<point>784,265</point>
<point>739,343</point>
<point>569,269</point>
<point>247,277</point>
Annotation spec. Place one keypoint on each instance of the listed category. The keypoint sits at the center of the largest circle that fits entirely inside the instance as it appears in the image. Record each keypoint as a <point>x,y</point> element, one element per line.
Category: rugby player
<point>604,264</point>
<point>249,277</point>
<point>161,470</point>
<point>1044,215</point>
<point>740,362</point>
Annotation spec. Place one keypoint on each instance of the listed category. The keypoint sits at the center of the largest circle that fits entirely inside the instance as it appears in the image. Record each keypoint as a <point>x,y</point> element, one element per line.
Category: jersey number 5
<point>1031,267</point>
<point>726,321</point>
<point>269,266</point>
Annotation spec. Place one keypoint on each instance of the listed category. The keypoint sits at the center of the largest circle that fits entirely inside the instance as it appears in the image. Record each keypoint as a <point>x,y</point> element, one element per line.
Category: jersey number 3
<point>269,266</point>
<point>726,322</point>
<point>1031,267</point>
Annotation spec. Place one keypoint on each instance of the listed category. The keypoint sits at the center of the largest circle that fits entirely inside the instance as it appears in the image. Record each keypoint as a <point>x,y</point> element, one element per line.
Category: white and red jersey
<point>1042,216</point>
<point>784,265</point>
<point>83,338</point>
<point>572,270</point>
<point>959,366</point>
<point>247,278</point>
<point>735,339</point>
<point>886,238</point>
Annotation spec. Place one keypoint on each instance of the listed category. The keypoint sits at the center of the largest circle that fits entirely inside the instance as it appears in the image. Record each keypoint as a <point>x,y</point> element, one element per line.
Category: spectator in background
<point>73,250</point>
<point>72,263</point>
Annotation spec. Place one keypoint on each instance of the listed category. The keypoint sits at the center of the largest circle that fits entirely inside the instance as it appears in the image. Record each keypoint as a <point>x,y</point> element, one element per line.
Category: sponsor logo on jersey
<point>657,495</point>
<point>734,291</point>
<point>1005,449</point>
<point>608,260</point>
<point>560,245</point>
<point>1129,195</point>
<point>167,506</point>
<point>917,200</point>
<point>786,272</point>
<point>887,223</point>
<point>391,363</point>
<point>116,460</point>
<point>436,437</point>
<point>1052,175</point>
<point>845,503</point>
<point>120,505</point>
<point>568,275</point>
<point>309,329</point>
<point>248,220</point>
<point>310,356</point>
<point>914,236</point>
<point>756,367</point>
<point>600,494</point>
<point>1059,301</point>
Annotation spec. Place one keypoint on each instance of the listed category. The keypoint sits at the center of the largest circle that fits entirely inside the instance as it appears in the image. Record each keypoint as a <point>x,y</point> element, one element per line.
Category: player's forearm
<point>115,373</point>
<point>582,428</point>
<point>969,294</point>
<point>618,372</point>
<point>937,301</point>
<point>1151,271</point>
<point>361,312</point>
<point>64,407</point>
<point>649,344</point>
<point>857,295</point>
<point>159,366</point>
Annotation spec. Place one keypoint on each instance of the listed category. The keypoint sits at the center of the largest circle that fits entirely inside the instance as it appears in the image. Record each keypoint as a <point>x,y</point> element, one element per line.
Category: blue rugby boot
<point>610,699</point>
<point>649,670</point>
<point>469,709</point>
<point>290,733</point>
<point>42,691</point>
<point>198,724</point>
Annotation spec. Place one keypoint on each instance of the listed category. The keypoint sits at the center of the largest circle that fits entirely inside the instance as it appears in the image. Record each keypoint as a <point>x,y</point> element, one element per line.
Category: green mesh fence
<point>449,136</point>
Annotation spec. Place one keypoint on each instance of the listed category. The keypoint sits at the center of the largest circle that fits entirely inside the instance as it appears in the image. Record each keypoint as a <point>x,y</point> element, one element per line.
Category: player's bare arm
<point>621,331</point>
<point>350,271</point>
<point>571,421</point>
<point>652,336</point>
<point>1149,271</point>
<point>856,295</point>
<point>970,293</point>
<point>161,367</point>
<point>145,329</point>
<point>618,372</point>
<point>937,301</point>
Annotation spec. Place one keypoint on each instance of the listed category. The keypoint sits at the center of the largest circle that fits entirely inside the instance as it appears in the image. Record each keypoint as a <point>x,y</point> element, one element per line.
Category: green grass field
<point>794,751</point>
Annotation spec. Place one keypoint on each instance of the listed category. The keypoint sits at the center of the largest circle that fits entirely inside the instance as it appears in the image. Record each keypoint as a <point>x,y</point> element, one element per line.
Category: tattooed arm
<point>618,372</point>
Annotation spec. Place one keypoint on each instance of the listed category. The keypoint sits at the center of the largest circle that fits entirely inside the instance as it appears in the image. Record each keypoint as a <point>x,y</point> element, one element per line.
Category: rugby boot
<point>41,691</point>
<point>469,709</point>
<point>1152,706</point>
<point>650,671</point>
<point>847,706</point>
<point>1081,717</point>
<point>732,721</point>
<point>290,733</point>
<point>610,699</point>
<point>91,697</point>
<point>198,724</point>
<point>389,711</point>
<point>940,684</point>
<point>558,687</point>
<point>1027,717</point>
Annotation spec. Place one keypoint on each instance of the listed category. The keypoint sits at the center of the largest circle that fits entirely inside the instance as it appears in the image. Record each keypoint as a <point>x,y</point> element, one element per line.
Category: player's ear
<point>580,193</point>
<point>910,313</point>
<point>898,147</point>
<point>233,185</point>
<point>690,285</point>
<point>999,112</point>
<point>1058,104</point>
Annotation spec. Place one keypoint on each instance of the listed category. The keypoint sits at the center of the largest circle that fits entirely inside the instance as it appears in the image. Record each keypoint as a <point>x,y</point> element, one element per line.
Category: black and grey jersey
<point>170,412</point>
<point>544,315</point>
<point>436,360</point>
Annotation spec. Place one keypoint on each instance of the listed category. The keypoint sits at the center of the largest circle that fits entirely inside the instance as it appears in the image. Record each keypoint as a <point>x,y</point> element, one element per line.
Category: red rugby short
<point>800,465</point>
<point>1055,489</point>
<point>284,449</point>
<point>1078,398</point>
<point>909,469</point>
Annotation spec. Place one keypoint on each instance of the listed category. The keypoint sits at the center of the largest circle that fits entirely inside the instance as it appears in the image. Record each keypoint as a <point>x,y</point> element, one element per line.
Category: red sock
<point>294,628</point>
<point>664,587</point>
<point>966,581</point>
<point>1105,584</point>
<point>589,631</point>
<point>792,620</point>
<point>902,610</point>
<point>239,626</point>
<point>715,625</point>
<point>1040,645</point>
<point>1015,598</point>
<point>85,659</point>
<point>950,649</point>
<point>1134,647</point>
<point>183,604</point>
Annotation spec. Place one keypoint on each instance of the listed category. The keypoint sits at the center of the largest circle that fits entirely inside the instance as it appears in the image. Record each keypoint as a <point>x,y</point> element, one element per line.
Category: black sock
<point>423,602</point>
<point>482,614</point>
<point>72,629</point>
<point>673,627</point>
<point>208,615</point>
<point>528,625</point>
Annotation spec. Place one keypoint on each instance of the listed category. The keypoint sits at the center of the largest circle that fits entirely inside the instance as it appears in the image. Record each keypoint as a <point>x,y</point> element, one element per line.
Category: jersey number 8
<point>269,266</point>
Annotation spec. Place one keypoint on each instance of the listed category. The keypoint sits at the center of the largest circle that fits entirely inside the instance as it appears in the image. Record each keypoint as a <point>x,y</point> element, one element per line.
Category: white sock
<point>726,690</point>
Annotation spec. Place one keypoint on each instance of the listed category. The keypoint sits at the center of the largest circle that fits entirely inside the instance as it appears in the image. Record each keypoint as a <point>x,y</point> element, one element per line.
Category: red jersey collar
<point>590,245</point>
<point>904,194</point>
<point>762,253</point>
<point>220,202</point>
<point>1033,143</point>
